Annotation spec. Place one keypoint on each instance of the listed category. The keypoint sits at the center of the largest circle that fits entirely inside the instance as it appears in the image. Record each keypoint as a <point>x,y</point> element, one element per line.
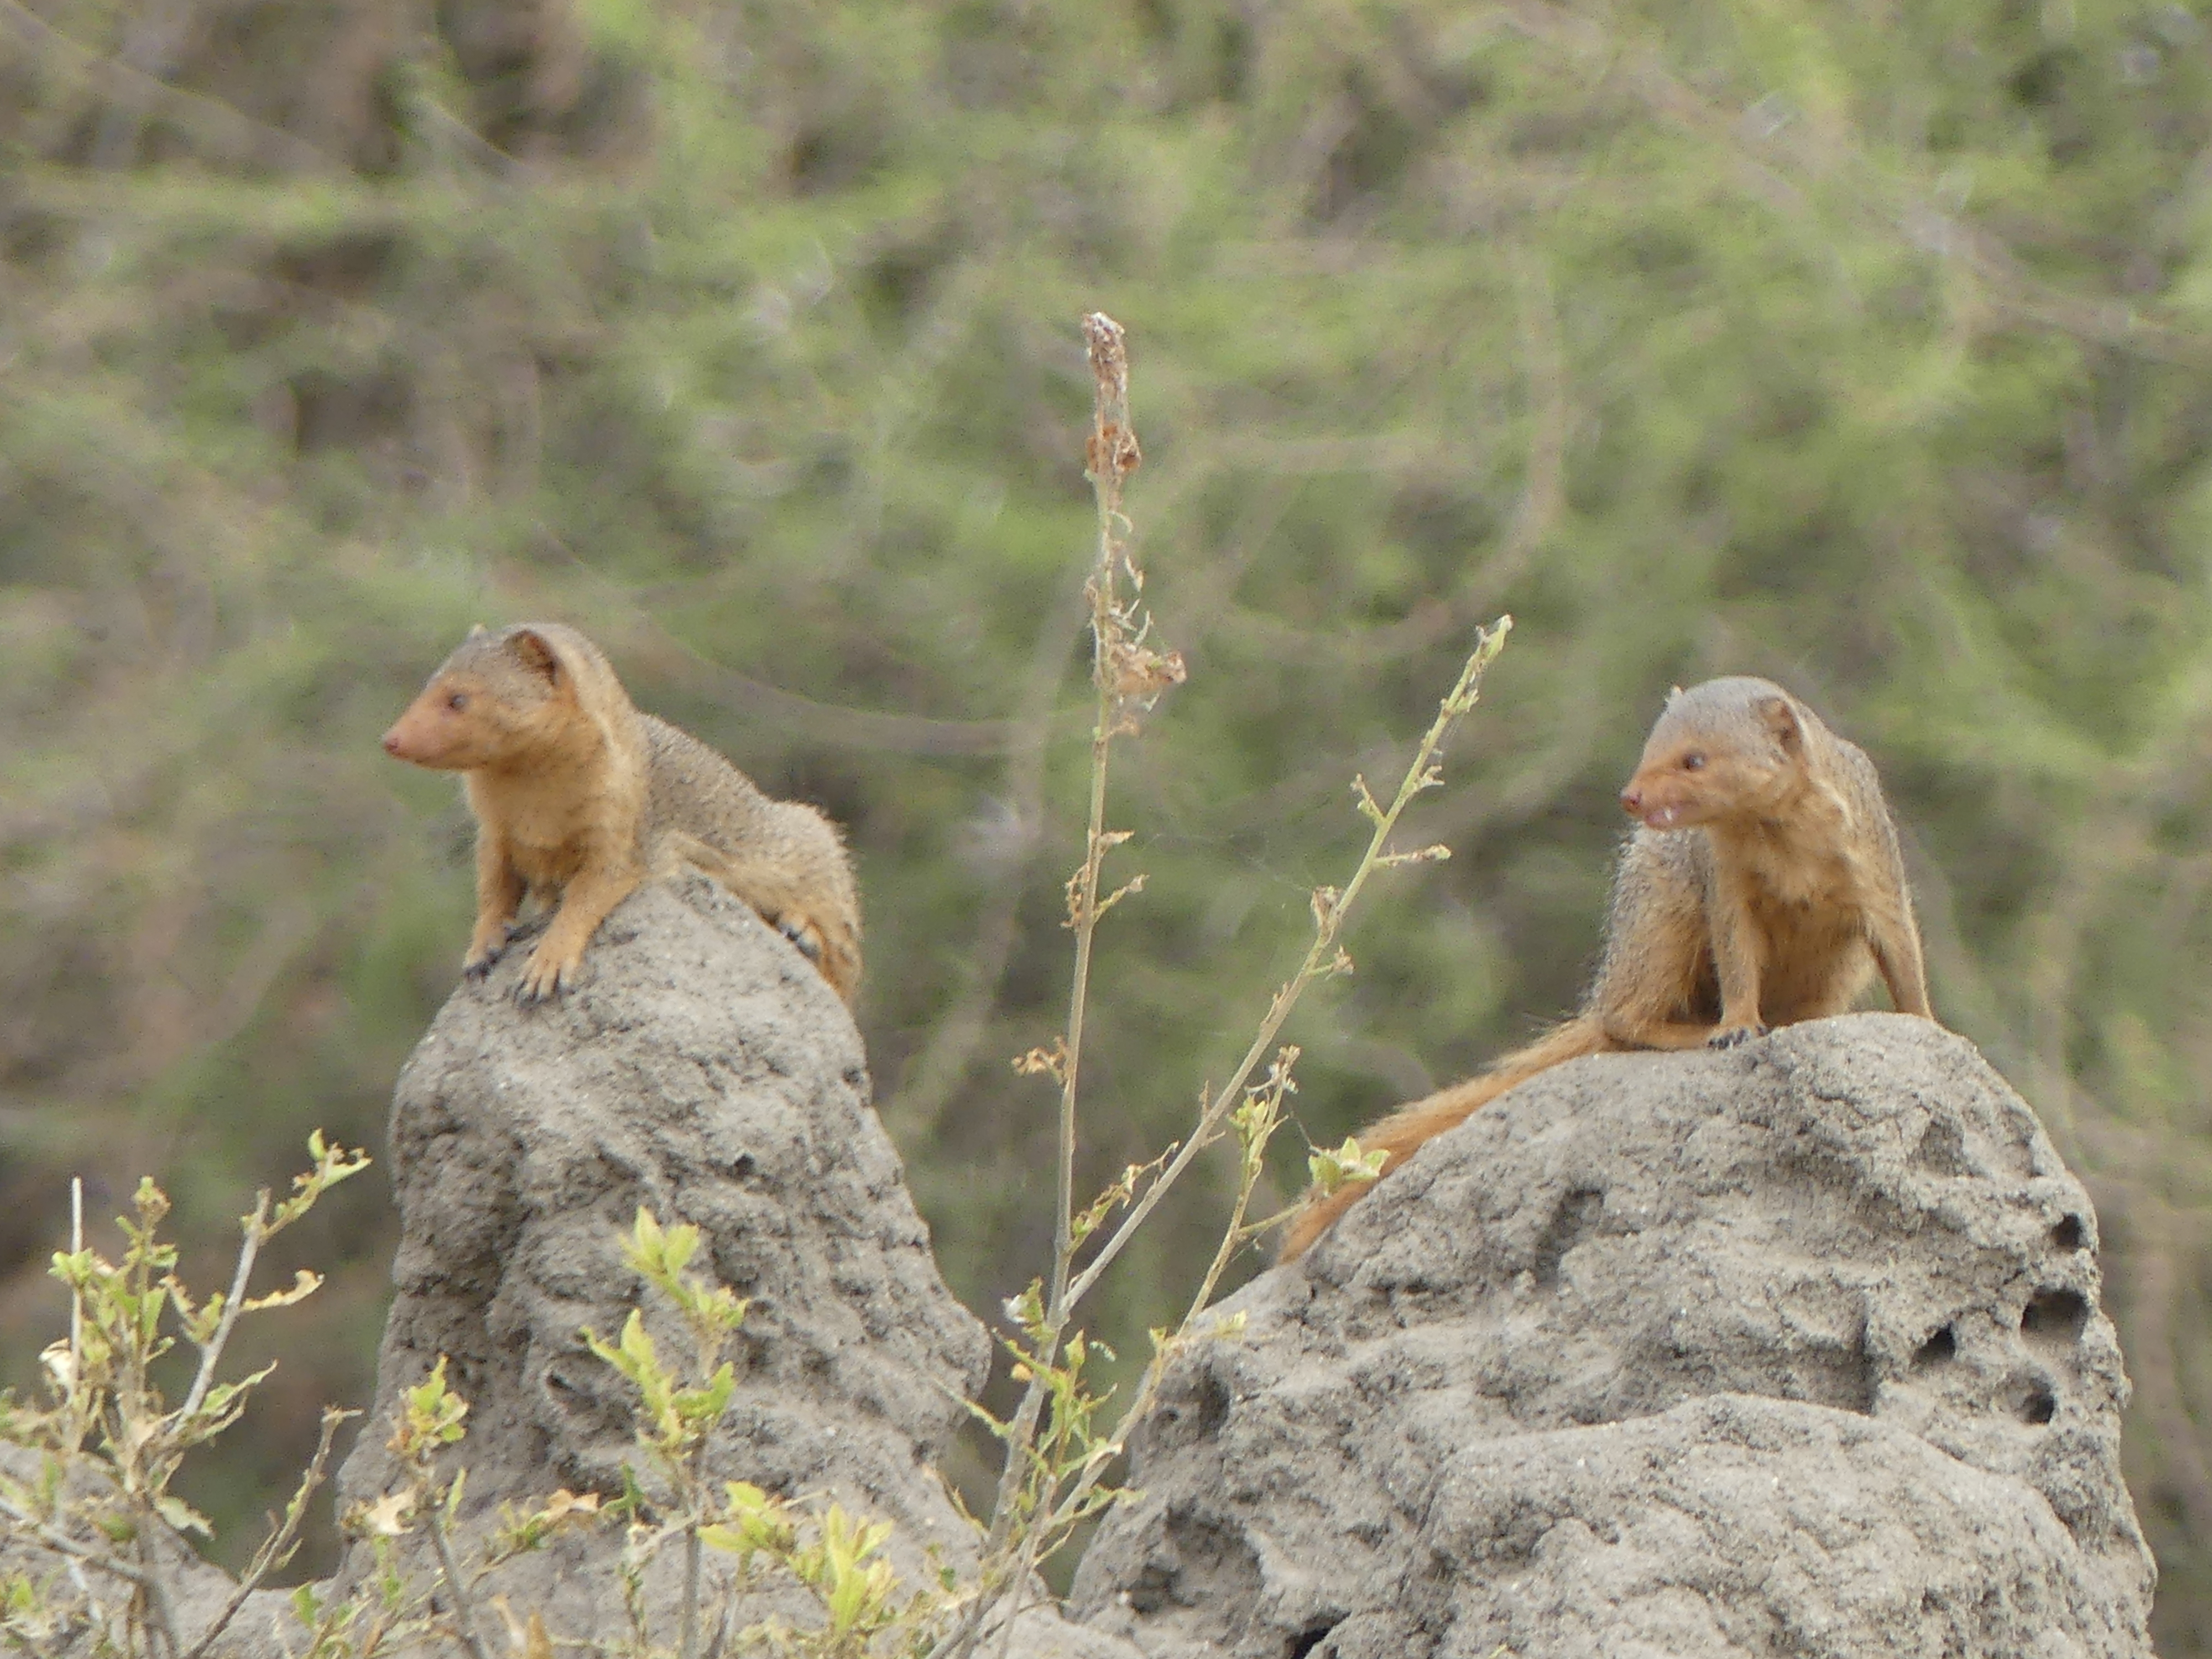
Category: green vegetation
<point>104,1445</point>
<point>89,1497</point>
<point>1863,348</point>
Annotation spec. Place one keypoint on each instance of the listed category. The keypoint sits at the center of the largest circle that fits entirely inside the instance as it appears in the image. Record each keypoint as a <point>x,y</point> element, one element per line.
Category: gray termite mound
<point>1794,1349</point>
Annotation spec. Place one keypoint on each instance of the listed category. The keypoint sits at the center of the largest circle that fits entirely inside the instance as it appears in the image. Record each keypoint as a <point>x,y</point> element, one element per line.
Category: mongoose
<point>1764,886</point>
<point>579,796</point>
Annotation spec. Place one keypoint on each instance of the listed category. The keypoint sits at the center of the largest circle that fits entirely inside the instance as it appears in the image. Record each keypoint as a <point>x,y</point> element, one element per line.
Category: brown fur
<point>1765,886</point>
<point>580,797</point>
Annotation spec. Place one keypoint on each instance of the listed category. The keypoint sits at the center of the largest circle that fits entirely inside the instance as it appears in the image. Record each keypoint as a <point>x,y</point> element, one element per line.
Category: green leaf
<point>182,1516</point>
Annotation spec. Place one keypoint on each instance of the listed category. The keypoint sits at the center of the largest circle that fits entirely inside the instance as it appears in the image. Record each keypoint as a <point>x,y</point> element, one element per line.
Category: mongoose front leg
<point>558,963</point>
<point>1736,952</point>
<point>499,892</point>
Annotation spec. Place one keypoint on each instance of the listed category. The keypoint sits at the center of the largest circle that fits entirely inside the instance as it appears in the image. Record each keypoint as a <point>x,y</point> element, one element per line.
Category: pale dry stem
<point>278,1547</point>
<point>687,1631</point>
<point>1322,958</point>
<point>1129,676</point>
<point>250,1248</point>
<point>77,1296</point>
<point>456,1586</point>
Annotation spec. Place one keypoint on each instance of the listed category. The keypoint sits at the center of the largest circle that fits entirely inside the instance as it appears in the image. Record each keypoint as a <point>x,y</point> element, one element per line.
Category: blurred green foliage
<point>1863,347</point>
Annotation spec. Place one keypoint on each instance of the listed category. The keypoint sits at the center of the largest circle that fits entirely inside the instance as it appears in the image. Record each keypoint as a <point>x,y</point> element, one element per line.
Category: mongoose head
<point>501,700</point>
<point>1728,748</point>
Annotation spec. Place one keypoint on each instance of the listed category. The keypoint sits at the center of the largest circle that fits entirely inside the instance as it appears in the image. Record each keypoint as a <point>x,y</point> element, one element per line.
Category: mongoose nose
<point>1631,802</point>
<point>391,742</point>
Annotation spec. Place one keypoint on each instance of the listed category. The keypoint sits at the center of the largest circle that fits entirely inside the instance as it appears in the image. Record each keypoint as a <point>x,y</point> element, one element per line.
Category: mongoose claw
<point>802,935</point>
<point>543,978</point>
<point>1736,1037</point>
<point>483,953</point>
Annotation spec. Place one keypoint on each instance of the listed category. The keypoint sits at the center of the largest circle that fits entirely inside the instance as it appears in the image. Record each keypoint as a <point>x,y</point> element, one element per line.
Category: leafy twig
<point>1323,958</point>
<point>278,1547</point>
<point>1128,675</point>
<point>456,1586</point>
<point>212,1352</point>
<point>1030,1512</point>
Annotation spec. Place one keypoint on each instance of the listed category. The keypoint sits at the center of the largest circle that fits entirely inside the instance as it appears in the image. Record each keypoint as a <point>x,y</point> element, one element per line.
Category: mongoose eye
<point>457,701</point>
<point>1692,761</point>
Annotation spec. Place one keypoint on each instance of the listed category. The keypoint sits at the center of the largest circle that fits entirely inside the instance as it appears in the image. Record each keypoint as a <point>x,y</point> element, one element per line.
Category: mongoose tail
<point>1401,1133</point>
<point>827,935</point>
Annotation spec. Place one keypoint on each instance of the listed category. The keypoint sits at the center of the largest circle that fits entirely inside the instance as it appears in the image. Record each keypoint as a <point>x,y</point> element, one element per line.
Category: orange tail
<point>1401,1133</point>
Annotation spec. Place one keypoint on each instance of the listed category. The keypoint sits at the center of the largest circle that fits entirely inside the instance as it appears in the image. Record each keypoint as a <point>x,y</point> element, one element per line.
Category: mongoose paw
<point>484,949</point>
<point>803,935</point>
<point>544,977</point>
<point>1734,1036</point>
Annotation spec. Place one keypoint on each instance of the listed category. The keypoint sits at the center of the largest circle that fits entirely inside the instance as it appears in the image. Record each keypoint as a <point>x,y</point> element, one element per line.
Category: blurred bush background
<point>1861,346</point>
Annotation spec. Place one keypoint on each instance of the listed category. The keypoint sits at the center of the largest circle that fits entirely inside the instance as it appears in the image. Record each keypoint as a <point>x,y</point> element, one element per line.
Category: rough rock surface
<point>703,1070</point>
<point>197,1592</point>
<point>706,1071</point>
<point>1793,1349</point>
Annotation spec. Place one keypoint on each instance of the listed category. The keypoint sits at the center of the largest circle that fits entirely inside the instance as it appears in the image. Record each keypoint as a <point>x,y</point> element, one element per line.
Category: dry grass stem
<point>283,1539</point>
<point>1037,1499</point>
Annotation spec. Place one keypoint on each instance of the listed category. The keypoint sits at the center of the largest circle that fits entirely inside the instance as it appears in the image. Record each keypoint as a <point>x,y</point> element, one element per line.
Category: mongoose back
<point>1763,886</point>
<point>578,798</point>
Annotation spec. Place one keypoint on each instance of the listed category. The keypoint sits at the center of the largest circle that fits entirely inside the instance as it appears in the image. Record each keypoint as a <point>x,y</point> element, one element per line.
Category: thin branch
<point>1884,202</point>
<point>76,1294</point>
<point>1320,957</point>
<point>495,162</point>
<point>687,1629</point>
<point>54,1538</point>
<point>1111,454</point>
<point>464,1614</point>
<point>1128,674</point>
<point>221,124</point>
<point>212,1352</point>
<point>278,1547</point>
<point>1417,777</point>
<point>1233,1238</point>
<point>834,724</point>
<point>1026,1566</point>
<point>152,1585</point>
<point>1111,439</point>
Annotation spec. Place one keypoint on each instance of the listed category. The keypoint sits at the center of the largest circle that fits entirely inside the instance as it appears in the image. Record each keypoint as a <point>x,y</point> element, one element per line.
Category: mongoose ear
<point>1781,717</point>
<point>537,653</point>
<point>476,629</point>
